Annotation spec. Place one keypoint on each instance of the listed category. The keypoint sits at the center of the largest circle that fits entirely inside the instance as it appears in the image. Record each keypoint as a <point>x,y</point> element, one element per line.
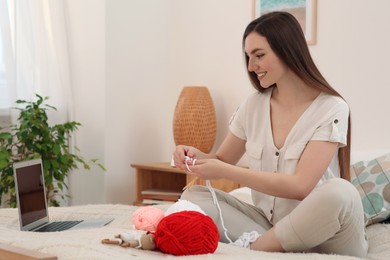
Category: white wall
<point>154,48</point>
<point>353,53</point>
<point>131,58</point>
<point>86,21</point>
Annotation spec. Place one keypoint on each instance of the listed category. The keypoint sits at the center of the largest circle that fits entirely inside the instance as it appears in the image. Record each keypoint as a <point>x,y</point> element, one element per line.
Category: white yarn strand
<point>212,191</point>
<point>215,200</point>
<point>186,162</point>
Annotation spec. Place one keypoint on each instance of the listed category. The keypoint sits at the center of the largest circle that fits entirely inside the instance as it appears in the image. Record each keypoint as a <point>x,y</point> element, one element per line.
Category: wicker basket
<point>194,121</point>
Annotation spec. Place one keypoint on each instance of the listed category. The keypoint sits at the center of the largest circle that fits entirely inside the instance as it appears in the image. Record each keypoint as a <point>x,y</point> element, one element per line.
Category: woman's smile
<point>261,75</point>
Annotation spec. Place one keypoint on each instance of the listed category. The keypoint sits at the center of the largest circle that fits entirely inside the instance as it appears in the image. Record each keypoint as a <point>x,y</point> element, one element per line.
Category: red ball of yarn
<point>187,233</point>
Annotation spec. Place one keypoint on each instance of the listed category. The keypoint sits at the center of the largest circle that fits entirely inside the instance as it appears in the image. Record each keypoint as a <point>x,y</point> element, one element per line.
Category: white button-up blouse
<point>326,119</point>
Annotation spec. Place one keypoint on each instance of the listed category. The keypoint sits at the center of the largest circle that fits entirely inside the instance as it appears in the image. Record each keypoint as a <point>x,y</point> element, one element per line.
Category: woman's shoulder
<point>331,101</point>
<point>258,96</point>
<point>256,101</point>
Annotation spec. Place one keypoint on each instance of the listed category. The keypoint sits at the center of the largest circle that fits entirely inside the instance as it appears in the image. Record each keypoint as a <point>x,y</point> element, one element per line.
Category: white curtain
<point>41,56</point>
<point>7,55</point>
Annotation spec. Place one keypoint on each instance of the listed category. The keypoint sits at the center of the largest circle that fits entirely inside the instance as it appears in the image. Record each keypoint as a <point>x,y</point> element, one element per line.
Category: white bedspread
<point>86,243</point>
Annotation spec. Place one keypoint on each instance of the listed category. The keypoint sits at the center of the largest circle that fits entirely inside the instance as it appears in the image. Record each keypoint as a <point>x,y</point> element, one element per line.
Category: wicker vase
<point>194,121</point>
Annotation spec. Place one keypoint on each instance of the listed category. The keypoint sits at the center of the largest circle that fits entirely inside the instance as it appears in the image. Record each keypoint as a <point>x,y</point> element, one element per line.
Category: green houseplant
<point>33,137</point>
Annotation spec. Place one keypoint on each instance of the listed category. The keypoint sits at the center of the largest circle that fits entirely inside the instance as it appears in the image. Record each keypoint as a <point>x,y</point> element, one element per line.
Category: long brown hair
<point>287,40</point>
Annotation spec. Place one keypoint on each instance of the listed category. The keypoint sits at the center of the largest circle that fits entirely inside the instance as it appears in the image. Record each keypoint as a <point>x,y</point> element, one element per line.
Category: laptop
<point>32,205</point>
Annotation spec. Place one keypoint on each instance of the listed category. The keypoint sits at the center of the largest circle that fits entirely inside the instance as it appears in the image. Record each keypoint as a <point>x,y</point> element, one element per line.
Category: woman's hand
<point>182,152</point>
<point>207,169</point>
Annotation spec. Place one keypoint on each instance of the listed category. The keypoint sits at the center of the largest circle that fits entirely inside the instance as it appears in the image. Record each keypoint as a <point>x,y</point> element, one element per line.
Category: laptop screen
<point>31,191</point>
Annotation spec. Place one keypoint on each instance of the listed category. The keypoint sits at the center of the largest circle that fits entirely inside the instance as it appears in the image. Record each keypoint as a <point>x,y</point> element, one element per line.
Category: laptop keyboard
<point>58,226</point>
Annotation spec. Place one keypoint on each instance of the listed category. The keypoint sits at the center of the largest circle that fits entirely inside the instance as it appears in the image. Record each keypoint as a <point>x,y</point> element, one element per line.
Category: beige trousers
<point>329,220</point>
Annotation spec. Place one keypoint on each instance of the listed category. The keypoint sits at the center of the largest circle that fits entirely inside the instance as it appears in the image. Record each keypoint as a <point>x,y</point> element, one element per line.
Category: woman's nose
<point>251,65</point>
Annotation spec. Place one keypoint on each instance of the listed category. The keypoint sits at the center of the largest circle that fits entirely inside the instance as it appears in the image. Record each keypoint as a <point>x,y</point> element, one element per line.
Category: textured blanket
<point>86,243</point>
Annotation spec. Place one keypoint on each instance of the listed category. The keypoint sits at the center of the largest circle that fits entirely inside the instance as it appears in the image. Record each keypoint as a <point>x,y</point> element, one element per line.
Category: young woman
<point>295,130</point>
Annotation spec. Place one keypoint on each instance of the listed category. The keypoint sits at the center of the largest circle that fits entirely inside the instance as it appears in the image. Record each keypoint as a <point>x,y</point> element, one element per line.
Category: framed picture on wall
<point>304,10</point>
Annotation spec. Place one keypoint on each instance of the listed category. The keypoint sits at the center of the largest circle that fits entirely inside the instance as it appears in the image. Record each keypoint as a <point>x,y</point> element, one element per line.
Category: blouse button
<point>271,211</point>
<point>277,153</point>
<point>336,121</point>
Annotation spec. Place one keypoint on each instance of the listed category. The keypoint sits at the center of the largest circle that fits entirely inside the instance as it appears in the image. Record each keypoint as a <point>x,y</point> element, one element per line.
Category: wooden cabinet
<point>160,180</point>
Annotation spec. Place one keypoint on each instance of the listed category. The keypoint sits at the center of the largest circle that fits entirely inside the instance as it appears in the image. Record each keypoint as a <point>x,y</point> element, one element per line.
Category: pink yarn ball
<point>147,218</point>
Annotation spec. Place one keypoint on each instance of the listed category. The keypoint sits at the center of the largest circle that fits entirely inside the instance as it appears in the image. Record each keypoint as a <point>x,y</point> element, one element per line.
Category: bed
<point>86,243</point>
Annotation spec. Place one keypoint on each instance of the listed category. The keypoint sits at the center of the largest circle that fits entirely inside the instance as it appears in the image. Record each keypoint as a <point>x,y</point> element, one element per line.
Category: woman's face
<point>263,61</point>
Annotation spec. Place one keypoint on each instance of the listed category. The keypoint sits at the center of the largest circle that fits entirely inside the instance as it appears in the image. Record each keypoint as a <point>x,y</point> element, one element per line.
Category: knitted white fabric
<point>246,239</point>
<point>183,205</point>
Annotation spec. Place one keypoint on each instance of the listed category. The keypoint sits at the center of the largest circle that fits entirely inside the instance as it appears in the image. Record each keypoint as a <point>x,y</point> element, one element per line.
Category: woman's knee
<point>337,189</point>
<point>340,195</point>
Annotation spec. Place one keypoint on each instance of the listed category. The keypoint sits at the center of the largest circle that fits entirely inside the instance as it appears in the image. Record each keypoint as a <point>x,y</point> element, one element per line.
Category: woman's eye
<point>259,56</point>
